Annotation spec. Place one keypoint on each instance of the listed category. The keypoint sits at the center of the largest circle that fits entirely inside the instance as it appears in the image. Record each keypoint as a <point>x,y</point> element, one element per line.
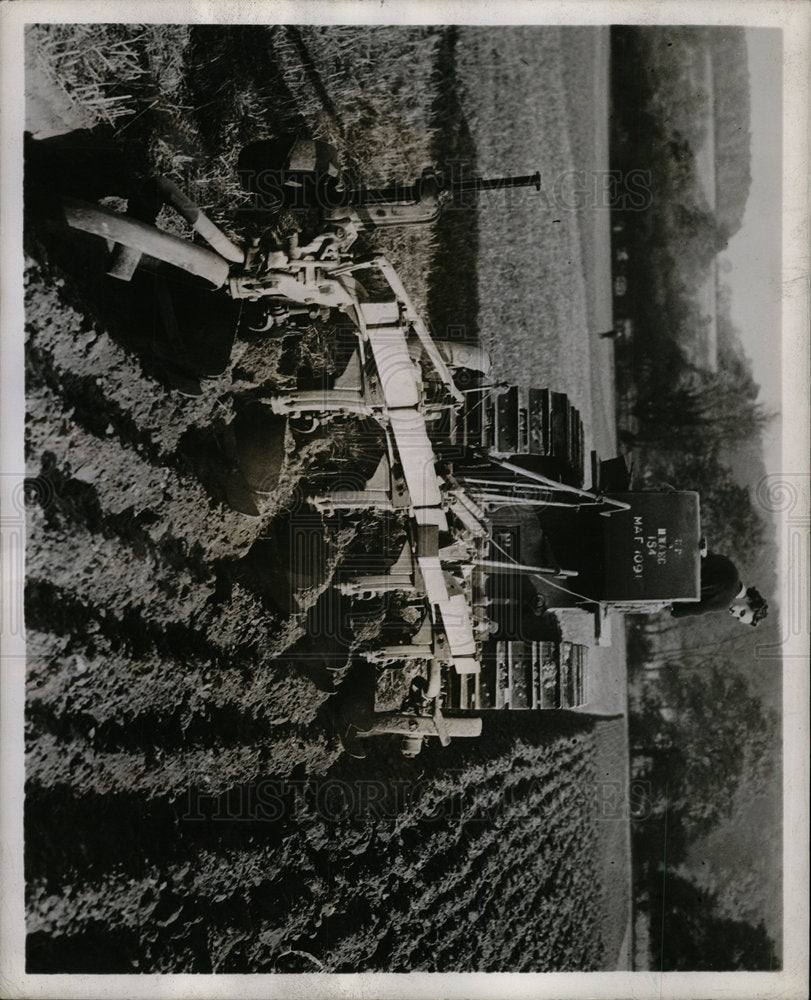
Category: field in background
<point>162,671</point>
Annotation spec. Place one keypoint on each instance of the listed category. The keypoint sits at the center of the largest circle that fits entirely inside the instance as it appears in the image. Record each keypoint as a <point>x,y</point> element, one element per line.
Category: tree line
<point>686,420</point>
<point>700,738</point>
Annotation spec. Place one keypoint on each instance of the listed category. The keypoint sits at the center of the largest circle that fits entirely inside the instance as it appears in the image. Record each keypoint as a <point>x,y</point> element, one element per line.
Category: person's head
<point>750,609</point>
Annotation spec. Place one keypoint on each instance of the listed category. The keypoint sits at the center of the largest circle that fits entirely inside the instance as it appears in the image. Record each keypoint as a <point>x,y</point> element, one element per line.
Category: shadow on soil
<point>453,300</point>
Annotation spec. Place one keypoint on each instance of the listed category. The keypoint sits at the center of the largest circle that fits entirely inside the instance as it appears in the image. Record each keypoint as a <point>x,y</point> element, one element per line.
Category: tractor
<point>486,480</point>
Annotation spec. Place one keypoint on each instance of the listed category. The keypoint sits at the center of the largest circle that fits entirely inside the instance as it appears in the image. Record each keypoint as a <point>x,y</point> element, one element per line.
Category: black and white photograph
<point>405,500</point>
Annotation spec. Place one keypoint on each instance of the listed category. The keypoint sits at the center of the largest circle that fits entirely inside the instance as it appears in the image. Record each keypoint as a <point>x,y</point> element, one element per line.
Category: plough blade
<point>259,437</point>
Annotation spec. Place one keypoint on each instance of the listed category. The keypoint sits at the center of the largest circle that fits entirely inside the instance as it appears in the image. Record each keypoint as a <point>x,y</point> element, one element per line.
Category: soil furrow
<point>95,568</point>
<point>71,347</point>
<point>185,697</point>
<point>72,763</point>
<point>169,504</point>
<point>82,620</point>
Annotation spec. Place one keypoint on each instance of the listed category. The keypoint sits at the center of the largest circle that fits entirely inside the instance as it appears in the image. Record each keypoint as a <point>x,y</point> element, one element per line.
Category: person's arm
<point>685,609</point>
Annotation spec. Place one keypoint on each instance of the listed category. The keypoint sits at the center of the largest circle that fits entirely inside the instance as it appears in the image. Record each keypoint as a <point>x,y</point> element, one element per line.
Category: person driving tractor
<point>722,590</point>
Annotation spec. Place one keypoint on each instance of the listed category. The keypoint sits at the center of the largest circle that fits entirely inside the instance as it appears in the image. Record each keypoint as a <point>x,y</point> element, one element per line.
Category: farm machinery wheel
<point>289,172</point>
<point>304,424</point>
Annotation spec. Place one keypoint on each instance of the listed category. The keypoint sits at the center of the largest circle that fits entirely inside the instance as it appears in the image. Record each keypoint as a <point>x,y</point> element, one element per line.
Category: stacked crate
<point>515,422</point>
<point>524,675</point>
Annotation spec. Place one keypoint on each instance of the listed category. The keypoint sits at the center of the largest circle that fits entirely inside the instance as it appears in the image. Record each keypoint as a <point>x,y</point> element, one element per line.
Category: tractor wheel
<point>289,172</point>
<point>467,379</point>
<point>561,468</point>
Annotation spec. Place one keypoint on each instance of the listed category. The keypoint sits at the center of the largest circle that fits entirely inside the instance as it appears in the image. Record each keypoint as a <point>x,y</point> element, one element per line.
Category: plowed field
<point>188,805</point>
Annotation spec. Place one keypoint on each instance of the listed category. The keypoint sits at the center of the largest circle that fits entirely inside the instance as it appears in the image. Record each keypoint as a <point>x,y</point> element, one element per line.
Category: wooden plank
<point>507,421</point>
<point>463,695</point>
<point>574,442</point>
<point>558,432</point>
<point>547,420</point>
<point>501,674</point>
<point>582,447</point>
<point>570,453</point>
<point>550,674</point>
<point>537,419</point>
<point>523,430</point>
<point>565,676</point>
<point>417,457</point>
<point>580,659</point>
<point>536,675</point>
<point>521,678</point>
<point>395,369</point>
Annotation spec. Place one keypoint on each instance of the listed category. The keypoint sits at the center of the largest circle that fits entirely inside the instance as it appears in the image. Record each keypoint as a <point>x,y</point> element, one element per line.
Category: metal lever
<point>198,220</point>
<point>498,183</point>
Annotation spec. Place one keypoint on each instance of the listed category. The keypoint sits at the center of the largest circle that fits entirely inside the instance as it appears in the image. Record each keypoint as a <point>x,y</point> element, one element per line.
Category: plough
<point>456,462</point>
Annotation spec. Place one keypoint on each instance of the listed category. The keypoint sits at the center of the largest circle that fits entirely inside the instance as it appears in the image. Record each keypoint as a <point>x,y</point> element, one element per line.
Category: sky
<point>755,249</point>
<point>756,286</point>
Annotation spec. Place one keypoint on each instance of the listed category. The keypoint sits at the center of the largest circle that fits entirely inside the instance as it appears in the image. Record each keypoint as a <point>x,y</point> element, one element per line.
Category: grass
<point>377,82</point>
<point>369,91</point>
<point>101,68</point>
